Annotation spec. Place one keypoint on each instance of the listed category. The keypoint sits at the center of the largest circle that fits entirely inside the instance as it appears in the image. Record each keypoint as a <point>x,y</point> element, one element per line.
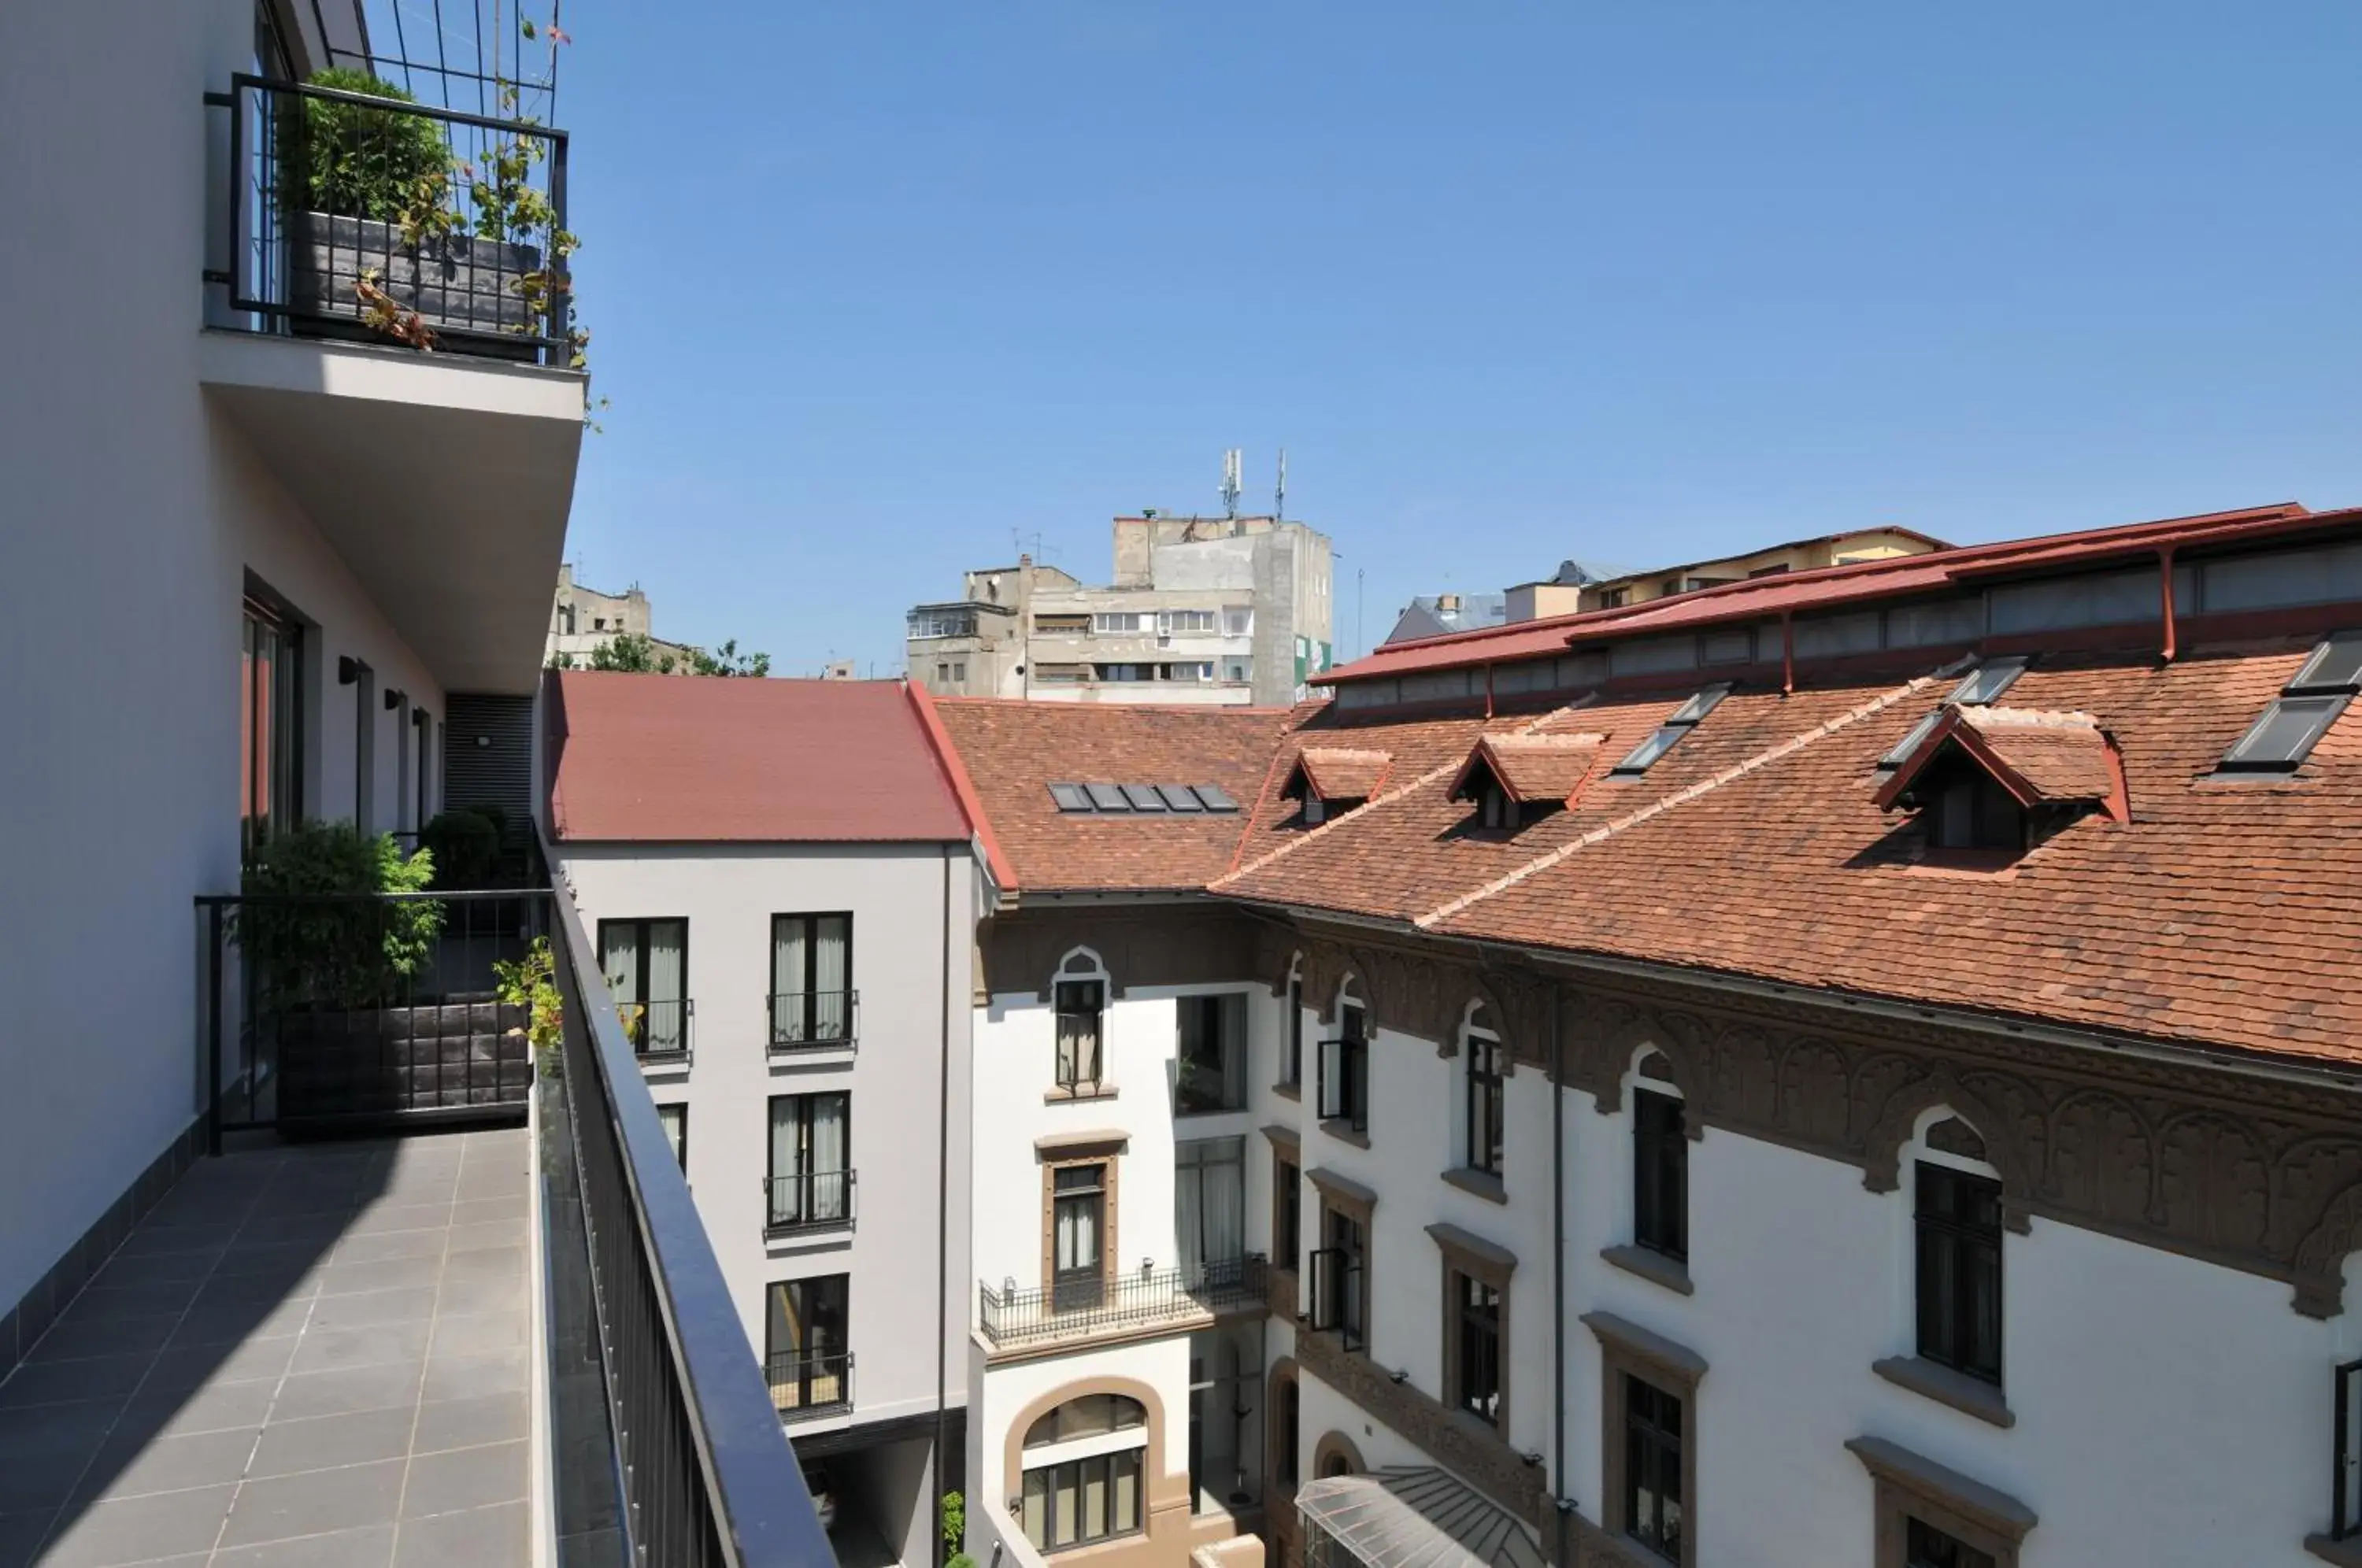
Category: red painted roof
<point>660,759</point>
<point>1821,588</point>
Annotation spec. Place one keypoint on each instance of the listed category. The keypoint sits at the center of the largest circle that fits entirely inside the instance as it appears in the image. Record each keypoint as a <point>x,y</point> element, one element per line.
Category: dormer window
<point>1332,780</point>
<point>1980,688</point>
<point>2285,733</point>
<point>1991,780</point>
<point>1512,780</point>
<point>1669,733</point>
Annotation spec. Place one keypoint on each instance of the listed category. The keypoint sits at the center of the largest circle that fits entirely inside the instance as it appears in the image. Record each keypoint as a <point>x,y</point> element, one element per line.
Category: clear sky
<point>880,287</point>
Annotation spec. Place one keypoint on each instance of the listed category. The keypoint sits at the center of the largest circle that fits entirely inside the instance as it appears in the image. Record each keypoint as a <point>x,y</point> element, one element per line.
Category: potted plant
<point>378,243</point>
<point>342,971</point>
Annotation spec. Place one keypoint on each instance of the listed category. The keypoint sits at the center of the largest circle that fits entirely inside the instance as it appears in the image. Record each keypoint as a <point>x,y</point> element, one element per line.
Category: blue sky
<point>879,287</point>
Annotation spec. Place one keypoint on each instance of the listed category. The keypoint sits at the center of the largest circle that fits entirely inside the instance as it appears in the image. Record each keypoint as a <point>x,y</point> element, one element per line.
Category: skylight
<point>1139,799</point>
<point>1977,688</point>
<point>2284,735</point>
<point>1669,734</point>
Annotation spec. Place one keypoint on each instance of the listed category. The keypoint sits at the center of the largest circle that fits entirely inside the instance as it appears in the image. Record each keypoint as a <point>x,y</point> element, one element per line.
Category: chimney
<point>1448,603</point>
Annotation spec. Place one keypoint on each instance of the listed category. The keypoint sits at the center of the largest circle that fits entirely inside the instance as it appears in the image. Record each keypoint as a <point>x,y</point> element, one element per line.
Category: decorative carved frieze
<point>1177,945</point>
<point>1478,1457</point>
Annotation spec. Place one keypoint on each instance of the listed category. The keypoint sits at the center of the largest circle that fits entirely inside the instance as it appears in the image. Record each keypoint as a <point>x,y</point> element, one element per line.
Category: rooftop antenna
<point>1279,495</point>
<point>1231,485</point>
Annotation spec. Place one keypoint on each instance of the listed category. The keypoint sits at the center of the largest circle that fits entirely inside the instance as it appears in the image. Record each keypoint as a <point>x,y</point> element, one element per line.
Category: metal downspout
<point>942,1229</point>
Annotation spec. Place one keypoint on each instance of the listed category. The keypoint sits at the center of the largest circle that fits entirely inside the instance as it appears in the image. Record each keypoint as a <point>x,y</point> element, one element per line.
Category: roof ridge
<point>1667,803</point>
<point>1429,777</point>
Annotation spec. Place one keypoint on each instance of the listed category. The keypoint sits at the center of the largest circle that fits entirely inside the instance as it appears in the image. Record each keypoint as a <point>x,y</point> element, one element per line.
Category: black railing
<point>806,1385</point>
<point>358,216</point>
<point>656,1386</point>
<point>346,1012</point>
<point>813,1021</point>
<point>808,1200</point>
<point>659,1030</point>
<point>1074,1309</point>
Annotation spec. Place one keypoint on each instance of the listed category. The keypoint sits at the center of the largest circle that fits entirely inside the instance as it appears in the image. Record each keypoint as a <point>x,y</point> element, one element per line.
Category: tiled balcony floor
<point>304,1355</point>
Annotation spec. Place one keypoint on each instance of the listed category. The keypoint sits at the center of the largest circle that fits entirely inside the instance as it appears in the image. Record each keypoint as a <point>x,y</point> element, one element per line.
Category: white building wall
<point>131,510</point>
<point>896,894</point>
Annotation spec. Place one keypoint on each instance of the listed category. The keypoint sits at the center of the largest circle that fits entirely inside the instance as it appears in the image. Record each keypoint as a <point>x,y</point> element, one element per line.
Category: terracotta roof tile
<point>656,758</point>
<point>1530,768</point>
<point>1335,774</point>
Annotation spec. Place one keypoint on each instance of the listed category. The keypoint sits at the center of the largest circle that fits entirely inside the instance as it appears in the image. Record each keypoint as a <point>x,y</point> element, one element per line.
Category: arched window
<point>1085,1463</point>
<point>1080,995</point>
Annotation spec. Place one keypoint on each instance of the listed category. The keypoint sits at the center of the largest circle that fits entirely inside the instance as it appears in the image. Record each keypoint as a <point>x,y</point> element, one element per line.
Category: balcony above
<point>1126,1306</point>
<point>413,390</point>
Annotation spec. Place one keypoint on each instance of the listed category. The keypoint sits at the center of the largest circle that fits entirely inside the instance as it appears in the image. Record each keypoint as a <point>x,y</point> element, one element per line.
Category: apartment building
<point>1852,1067</point>
<point>1201,611</point>
<point>789,946</point>
<point>289,553</point>
<point>1576,587</point>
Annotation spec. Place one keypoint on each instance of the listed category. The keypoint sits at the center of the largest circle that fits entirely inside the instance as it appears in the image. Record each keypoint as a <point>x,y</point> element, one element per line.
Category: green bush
<point>466,848</point>
<point>361,162</point>
<point>324,947</point>
<point>953,1523</point>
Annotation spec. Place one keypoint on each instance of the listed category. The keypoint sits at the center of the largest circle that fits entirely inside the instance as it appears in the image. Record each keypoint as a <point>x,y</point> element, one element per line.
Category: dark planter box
<point>462,287</point>
<point>389,1061</point>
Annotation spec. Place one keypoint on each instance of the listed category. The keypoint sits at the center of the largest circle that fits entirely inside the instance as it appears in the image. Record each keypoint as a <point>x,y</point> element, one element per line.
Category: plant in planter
<point>466,846</point>
<point>530,984</point>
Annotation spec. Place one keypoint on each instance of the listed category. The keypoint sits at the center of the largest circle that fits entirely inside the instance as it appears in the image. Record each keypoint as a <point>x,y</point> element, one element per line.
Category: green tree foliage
<point>727,661</point>
<point>635,653</point>
<point>954,1532</point>
<point>465,846</point>
<point>363,162</point>
<point>316,935</point>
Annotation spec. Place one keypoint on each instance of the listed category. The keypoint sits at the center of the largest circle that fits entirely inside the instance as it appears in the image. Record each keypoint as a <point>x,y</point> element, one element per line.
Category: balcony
<point>808,1201</point>
<point>806,1386</point>
<point>472,1342</point>
<point>813,1021</point>
<point>1152,1300</point>
<point>658,1030</point>
<point>403,363</point>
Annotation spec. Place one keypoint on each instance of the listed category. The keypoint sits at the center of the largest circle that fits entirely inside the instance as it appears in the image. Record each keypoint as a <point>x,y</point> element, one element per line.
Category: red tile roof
<point>1013,751</point>
<point>1530,770</point>
<point>1335,774</point>
<point>2040,758</point>
<point>655,759</point>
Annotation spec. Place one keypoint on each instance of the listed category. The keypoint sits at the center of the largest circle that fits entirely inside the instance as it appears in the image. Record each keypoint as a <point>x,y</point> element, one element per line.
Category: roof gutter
<point>2173,1054</point>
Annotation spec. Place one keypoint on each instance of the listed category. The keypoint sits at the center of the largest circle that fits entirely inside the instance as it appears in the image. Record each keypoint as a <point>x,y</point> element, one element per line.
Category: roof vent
<point>2285,733</point>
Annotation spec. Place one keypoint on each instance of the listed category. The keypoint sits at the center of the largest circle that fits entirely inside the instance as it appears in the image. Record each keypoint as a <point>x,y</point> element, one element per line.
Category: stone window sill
<point>1065,1093</point>
<point>1288,1091</point>
<point>1483,1184</point>
<point>1654,1267</point>
<point>2347,1553</point>
<point>1969,1395</point>
<point>1343,1132</point>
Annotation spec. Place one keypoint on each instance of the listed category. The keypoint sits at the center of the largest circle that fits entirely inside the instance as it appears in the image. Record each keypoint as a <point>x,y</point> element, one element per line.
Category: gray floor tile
<point>401,1216</point>
<point>483,1210</point>
<point>133,1467</point>
<point>227,1322</point>
<point>477,1333</point>
<point>369,1547</point>
<point>50,1383</point>
<point>500,1262</point>
<point>73,1338</point>
<point>213,1407</point>
<point>331,1350</point>
<point>184,1367</point>
<point>161,1268</point>
<point>33,1482</point>
<point>465,1478</point>
<point>470,1376</point>
<point>486,1538</point>
<point>288,1263</point>
<point>135,1529</point>
<point>151,1241</point>
<point>342,1393</point>
<point>498,1234</point>
<point>19,1534</point>
<point>470,1423</point>
<point>314,1503</point>
<point>391,1245</point>
<point>154,1298</point>
<point>340,1278</point>
<point>479,1290</point>
<point>26,1433</point>
<point>414,1304</point>
<point>322,1442</point>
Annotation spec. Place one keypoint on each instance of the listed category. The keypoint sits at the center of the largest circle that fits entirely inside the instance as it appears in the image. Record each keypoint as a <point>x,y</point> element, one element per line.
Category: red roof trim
<point>1958,728</point>
<point>963,788</point>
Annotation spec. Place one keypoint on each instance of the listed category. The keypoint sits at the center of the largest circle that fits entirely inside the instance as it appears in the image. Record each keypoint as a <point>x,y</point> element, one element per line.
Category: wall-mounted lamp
<point>395,699</point>
<point>1401,1376</point>
<point>483,742</point>
<point>348,669</point>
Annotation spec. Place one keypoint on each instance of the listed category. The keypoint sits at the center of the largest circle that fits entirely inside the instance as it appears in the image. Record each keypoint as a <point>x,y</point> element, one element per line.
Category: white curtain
<point>621,960</point>
<point>1225,1203</point>
<point>1078,1235</point>
<point>1189,1217</point>
<point>829,1115</point>
<point>1209,1212</point>
<point>787,979</point>
<point>787,1160</point>
<point>1234,1048</point>
<point>667,1022</point>
<point>832,967</point>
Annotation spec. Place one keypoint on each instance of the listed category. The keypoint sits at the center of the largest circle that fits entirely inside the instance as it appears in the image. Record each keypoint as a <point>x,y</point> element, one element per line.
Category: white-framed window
<point>1118,621</point>
<point>1185,622</point>
<point>1237,622</point>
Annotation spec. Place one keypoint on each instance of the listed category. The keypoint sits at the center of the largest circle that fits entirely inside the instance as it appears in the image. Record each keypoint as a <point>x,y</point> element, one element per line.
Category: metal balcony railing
<point>348,214</point>
<point>658,1030</point>
<point>658,1403</point>
<point>808,1200</point>
<point>1091,1307</point>
<point>813,1021</point>
<point>804,1385</point>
